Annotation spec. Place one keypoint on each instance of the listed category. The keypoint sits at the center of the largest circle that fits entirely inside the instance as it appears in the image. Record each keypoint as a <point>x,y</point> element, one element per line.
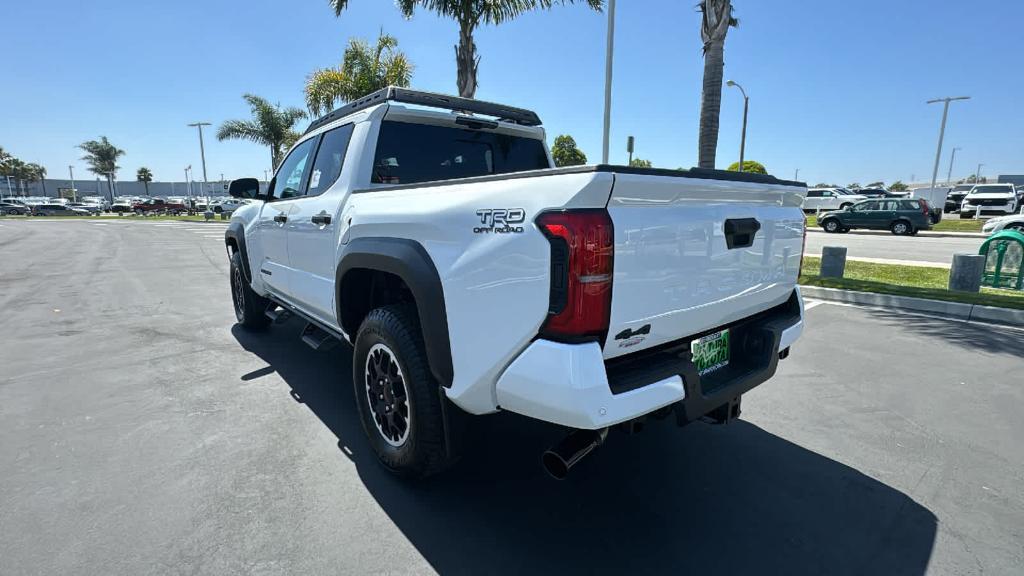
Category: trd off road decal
<point>500,221</point>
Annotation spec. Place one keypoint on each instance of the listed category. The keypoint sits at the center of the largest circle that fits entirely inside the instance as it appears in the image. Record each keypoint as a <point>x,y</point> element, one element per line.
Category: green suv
<point>899,215</point>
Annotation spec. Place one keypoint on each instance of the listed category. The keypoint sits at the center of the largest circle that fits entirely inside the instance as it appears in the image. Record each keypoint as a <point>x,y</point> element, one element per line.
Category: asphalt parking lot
<point>144,433</point>
<point>928,249</point>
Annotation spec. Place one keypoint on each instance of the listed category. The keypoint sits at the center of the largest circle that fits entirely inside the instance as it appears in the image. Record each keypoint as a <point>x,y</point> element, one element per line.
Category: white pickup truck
<point>432,233</point>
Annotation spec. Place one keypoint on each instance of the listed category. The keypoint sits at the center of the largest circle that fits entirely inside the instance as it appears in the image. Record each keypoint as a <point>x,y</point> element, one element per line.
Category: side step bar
<point>317,338</point>
<point>278,315</point>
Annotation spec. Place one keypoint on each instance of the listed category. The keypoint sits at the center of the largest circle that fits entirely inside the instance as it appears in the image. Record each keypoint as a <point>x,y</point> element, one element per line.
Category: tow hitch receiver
<point>725,413</point>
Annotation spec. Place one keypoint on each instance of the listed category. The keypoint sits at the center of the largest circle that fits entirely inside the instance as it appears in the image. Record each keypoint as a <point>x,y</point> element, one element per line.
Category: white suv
<point>991,198</point>
<point>825,199</point>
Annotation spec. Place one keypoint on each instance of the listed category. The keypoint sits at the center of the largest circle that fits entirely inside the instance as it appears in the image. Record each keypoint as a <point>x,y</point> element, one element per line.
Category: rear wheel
<point>250,307</point>
<point>398,399</point>
<point>831,226</point>
<point>901,228</point>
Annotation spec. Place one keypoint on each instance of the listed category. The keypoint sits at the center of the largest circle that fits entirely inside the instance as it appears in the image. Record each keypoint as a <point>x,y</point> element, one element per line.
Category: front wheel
<point>831,226</point>
<point>399,400</point>
<point>250,307</point>
<point>845,206</point>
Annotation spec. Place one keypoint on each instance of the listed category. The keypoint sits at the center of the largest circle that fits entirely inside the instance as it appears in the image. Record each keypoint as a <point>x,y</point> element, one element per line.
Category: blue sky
<point>837,88</point>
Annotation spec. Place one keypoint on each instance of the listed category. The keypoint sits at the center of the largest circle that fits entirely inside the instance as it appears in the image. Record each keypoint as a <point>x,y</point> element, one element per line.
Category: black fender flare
<point>408,260</point>
<point>236,232</point>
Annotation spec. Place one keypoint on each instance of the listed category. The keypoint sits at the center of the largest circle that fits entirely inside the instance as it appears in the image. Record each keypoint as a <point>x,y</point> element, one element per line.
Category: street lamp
<point>608,80</point>
<point>952,155</point>
<point>71,172</point>
<point>796,175</point>
<point>743,136</point>
<point>202,151</point>
<point>942,129</point>
<point>977,175</point>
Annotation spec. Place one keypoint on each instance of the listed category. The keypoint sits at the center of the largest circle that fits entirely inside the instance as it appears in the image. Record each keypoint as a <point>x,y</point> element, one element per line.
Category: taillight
<point>582,249</point>
<point>924,207</point>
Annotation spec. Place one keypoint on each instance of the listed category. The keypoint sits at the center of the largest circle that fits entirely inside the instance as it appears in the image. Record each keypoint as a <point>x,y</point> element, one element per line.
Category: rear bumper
<point>572,384</point>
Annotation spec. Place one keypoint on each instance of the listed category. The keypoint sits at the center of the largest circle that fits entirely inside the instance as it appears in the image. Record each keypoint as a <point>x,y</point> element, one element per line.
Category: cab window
<point>291,176</point>
<point>329,159</point>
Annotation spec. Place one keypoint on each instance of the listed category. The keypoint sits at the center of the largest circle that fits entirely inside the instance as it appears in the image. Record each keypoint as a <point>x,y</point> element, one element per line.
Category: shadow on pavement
<point>732,499</point>
<point>974,336</point>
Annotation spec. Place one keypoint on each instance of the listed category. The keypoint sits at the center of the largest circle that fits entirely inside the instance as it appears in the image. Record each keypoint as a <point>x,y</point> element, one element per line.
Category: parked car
<point>121,207</point>
<point>94,209</point>
<point>900,216</point>
<point>829,199</point>
<point>57,210</point>
<point>1000,223</point>
<point>158,206</point>
<point>956,197</point>
<point>880,193</point>
<point>228,205</point>
<point>8,208</point>
<point>401,229</point>
<point>991,198</point>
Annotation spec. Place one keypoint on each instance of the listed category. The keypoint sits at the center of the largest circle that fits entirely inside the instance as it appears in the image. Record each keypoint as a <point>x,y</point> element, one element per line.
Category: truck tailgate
<point>692,254</point>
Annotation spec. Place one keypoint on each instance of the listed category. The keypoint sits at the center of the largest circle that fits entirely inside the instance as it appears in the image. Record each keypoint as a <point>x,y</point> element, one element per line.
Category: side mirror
<point>244,188</point>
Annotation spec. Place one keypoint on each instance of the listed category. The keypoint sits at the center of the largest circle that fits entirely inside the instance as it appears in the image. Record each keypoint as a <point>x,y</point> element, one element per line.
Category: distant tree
<point>469,14</point>
<point>716,19</point>
<point>853,185</point>
<point>270,125</point>
<point>878,184</point>
<point>748,166</point>
<point>641,163</point>
<point>36,173</point>
<point>898,186</point>
<point>824,185</point>
<point>972,179</point>
<point>102,157</point>
<point>4,157</point>
<point>364,69</point>
<point>566,153</point>
<point>144,175</point>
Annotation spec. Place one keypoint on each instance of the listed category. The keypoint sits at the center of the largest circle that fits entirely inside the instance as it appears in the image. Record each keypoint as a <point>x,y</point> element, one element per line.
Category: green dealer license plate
<point>711,352</point>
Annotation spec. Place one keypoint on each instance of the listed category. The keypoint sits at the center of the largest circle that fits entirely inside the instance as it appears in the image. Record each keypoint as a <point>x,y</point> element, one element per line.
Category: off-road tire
<point>250,307</point>
<point>423,451</point>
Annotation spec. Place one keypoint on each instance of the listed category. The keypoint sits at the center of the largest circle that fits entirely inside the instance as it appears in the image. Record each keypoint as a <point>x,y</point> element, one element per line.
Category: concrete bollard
<point>977,211</point>
<point>966,273</point>
<point>833,261</point>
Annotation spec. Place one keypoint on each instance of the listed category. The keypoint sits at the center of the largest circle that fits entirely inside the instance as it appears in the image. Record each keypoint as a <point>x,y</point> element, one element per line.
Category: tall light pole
<point>71,172</point>
<point>977,175</point>
<point>743,135</point>
<point>188,185</point>
<point>202,151</point>
<point>942,129</point>
<point>796,175</point>
<point>608,81</point>
<point>952,155</point>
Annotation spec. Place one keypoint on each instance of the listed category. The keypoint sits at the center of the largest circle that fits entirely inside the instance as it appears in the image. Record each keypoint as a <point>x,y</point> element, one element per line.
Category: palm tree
<point>364,69</point>
<point>36,173</point>
<point>102,157</point>
<point>144,175</point>
<point>469,14</point>
<point>715,22</point>
<point>270,125</point>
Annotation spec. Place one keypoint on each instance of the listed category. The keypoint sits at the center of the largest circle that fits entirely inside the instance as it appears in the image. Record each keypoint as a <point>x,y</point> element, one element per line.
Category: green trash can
<point>1004,260</point>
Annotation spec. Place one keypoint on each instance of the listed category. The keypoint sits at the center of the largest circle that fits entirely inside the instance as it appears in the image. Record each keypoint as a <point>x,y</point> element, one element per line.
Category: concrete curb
<point>923,233</point>
<point>959,310</point>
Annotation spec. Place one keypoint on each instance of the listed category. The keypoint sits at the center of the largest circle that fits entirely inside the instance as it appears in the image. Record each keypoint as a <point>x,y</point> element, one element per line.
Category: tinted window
<point>288,182</point>
<point>865,206</point>
<point>408,153</point>
<point>814,193</point>
<point>329,159</point>
<point>910,205</point>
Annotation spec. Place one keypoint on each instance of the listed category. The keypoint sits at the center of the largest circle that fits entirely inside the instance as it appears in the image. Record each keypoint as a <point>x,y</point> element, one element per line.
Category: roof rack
<point>454,103</point>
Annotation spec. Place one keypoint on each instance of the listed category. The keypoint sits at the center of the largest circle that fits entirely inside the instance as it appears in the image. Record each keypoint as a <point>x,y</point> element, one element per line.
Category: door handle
<point>321,219</point>
<point>280,218</point>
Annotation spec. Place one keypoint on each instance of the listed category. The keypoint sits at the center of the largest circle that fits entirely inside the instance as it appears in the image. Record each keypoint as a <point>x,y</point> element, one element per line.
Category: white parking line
<point>916,313</point>
<point>808,304</point>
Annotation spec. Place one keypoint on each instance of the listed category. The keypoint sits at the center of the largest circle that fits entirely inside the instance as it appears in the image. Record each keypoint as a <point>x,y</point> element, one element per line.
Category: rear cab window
<point>409,153</point>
